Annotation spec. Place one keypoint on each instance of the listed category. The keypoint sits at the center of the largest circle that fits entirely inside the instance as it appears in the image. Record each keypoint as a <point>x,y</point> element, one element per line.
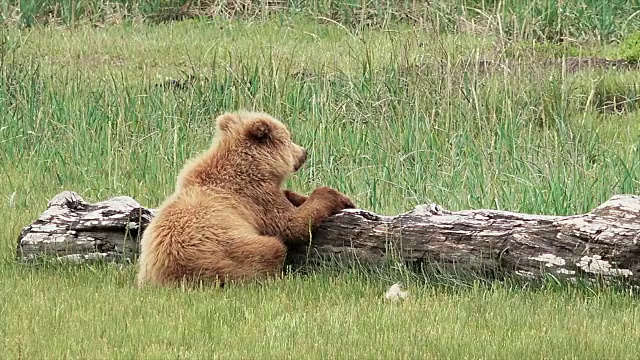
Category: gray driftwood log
<point>603,243</point>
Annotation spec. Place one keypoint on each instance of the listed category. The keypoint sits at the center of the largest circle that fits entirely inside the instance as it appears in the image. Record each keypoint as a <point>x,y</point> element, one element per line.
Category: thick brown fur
<point>229,218</point>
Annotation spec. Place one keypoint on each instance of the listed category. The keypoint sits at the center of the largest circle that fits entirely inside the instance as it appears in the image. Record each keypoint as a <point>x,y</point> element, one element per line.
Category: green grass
<point>395,113</point>
<point>315,317</point>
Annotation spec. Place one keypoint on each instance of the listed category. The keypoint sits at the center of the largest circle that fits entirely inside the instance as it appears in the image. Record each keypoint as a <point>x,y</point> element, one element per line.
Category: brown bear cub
<point>229,218</point>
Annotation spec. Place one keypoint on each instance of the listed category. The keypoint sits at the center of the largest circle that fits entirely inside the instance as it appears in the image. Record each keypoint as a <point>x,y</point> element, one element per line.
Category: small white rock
<point>395,292</point>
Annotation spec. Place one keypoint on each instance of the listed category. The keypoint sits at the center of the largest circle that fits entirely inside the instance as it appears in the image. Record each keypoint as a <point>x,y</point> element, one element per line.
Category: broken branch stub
<point>601,243</point>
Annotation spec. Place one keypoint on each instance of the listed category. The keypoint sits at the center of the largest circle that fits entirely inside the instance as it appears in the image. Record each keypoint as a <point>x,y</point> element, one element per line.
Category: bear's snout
<point>301,159</point>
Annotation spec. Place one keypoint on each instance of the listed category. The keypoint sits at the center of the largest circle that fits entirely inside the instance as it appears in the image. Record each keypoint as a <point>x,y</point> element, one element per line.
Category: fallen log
<point>603,243</point>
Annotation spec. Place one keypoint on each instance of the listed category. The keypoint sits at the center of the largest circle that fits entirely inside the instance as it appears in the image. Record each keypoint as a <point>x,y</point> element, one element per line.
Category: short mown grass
<point>394,113</point>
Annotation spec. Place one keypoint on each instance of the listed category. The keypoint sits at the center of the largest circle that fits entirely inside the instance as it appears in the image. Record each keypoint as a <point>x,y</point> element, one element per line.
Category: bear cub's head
<point>263,140</point>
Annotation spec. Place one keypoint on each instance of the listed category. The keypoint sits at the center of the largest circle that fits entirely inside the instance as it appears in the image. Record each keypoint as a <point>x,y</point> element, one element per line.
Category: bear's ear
<point>226,121</point>
<point>261,130</point>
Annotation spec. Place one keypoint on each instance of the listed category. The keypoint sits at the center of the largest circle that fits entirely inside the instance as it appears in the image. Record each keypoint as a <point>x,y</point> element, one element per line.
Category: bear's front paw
<point>337,200</point>
<point>294,198</point>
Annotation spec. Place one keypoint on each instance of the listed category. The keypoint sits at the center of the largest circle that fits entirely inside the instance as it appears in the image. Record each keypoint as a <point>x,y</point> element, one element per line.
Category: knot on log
<point>429,209</point>
<point>67,199</point>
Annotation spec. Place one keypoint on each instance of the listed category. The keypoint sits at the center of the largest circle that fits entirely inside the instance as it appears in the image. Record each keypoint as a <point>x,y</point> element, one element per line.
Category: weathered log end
<point>601,243</point>
<point>72,229</point>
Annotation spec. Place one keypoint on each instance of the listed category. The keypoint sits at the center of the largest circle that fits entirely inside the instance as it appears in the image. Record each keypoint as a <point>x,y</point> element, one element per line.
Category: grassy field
<point>399,104</point>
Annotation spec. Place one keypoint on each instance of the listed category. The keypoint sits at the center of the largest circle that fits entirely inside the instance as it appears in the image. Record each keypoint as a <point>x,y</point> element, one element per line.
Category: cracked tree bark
<point>603,243</point>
